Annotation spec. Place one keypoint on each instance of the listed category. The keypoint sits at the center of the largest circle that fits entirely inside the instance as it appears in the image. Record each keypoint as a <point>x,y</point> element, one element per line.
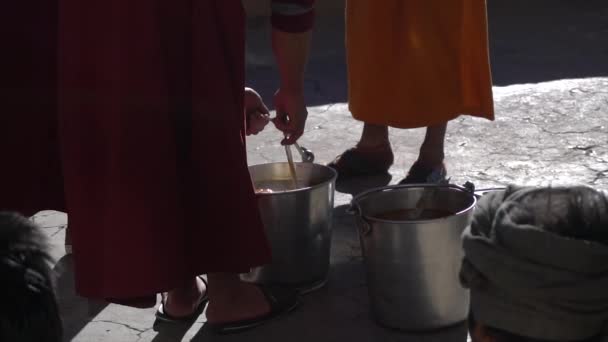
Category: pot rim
<point>460,213</point>
<point>332,180</point>
<point>356,202</point>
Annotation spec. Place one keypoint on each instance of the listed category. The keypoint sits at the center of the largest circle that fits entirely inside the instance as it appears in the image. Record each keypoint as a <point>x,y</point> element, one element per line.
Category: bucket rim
<point>460,213</point>
<point>331,180</point>
<point>355,203</point>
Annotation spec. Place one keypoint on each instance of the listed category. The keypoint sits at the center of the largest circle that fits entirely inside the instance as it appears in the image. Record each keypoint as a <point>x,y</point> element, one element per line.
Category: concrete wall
<point>256,8</point>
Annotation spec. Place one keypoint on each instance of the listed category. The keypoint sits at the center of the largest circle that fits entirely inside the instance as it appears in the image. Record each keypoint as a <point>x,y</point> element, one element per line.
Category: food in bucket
<point>272,186</point>
<point>264,191</point>
<point>413,214</point>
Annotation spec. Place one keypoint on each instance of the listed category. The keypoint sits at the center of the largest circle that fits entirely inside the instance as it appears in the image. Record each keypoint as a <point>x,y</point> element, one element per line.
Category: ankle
<point>374,136</point>
<point>373,147</point>
<point>187,292</point>
<point>231,295</point>
<point>246,302</point>
<point>430,161</point>
<point>431,155</point>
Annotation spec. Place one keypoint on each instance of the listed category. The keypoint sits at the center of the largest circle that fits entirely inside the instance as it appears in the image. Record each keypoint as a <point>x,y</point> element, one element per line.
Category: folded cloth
<point>526,275</point>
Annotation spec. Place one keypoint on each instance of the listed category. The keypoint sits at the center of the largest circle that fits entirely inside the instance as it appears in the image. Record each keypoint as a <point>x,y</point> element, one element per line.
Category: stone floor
<point>547,133</point>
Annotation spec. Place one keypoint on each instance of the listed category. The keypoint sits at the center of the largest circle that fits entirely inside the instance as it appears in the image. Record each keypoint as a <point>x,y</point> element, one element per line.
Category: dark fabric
<point>294,24</point>
<point>151,130</point>
<point>530,281</point>
<point>30,167</point>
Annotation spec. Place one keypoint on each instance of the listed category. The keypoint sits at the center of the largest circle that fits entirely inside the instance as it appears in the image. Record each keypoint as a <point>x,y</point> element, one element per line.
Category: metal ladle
<point>306,154</point>
<point>307,157</point>
<point>292,167</point>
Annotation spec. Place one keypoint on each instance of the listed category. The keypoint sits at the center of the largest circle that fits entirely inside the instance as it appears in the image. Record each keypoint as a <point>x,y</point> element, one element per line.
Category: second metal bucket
<point>412,265</point>
<point>298,225</point>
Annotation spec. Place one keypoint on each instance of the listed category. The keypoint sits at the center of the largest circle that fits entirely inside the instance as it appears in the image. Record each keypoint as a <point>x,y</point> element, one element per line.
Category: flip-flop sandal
<point>422,174</point>
<point>164,316</point>
<point>356,163</point>
<point>282,301</point>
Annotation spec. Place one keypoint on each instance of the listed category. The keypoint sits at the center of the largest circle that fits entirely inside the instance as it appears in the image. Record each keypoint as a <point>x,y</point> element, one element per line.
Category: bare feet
<point>183,301</point>
<point>232,300</point>
<point>429,167</point>
<point>375,137</point>
<point>372,155</point>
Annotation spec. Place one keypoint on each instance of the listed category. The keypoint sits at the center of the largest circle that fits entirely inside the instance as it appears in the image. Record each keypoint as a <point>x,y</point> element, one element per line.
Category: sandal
<point>423,174</point>
<point>282,301</point>
<point>357,162</point>
<point>163,315</point>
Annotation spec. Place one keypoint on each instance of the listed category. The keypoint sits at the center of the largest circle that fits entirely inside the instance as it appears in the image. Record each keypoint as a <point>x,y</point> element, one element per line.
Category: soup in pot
<point>272,186</point>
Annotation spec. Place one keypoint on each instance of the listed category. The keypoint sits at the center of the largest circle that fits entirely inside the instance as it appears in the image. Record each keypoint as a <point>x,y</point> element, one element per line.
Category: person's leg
<point>183,301</point>
<point>432,149</point>
<point>429,167</point>
<point>232,300</point>
<point>371,155</point>
<point>233,305</point>
<point>374,136</point>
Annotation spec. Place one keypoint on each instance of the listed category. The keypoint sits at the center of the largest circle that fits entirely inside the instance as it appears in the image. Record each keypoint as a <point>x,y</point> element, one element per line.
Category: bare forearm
<point>292,22</point>
<point>291,52</point>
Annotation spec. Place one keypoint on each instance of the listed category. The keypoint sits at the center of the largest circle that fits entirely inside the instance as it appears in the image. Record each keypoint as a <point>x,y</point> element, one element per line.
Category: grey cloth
<point>532,282</point>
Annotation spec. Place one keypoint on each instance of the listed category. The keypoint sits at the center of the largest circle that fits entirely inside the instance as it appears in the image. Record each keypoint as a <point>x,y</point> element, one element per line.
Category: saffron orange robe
<point>416,63</point>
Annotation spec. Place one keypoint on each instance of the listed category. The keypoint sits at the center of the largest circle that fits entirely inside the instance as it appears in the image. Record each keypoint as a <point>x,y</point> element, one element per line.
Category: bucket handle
<point>354,204</point>
<point>355,208</point>
<point>467,187</point>
<point>366,228</point>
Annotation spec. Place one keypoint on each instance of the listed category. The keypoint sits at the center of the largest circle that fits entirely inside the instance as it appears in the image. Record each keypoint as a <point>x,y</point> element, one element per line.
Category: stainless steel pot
<point>412,266</point>
<point>298,225</point>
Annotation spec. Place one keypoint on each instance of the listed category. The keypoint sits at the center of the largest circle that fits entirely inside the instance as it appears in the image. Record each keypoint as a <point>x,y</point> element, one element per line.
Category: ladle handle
<point>292,167</point>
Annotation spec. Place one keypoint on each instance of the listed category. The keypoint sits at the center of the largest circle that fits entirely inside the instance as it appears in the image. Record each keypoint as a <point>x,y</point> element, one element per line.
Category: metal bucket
<point>412,265</point>
<point>298,225</point>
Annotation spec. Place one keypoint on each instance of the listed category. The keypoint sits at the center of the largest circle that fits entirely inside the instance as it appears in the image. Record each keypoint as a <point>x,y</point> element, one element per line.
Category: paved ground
<point>548,131</point>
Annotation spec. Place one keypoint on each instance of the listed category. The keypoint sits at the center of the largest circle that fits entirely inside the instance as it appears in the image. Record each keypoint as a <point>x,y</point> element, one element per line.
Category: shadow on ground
<point>329,313</point>
<point>167,332</point>
<point>76,311</point>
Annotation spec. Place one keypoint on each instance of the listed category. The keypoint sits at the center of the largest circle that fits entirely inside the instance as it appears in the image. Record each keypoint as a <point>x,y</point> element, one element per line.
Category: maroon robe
<point>154,159</point>
<point>132,121</point>
<point>153,153</point>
